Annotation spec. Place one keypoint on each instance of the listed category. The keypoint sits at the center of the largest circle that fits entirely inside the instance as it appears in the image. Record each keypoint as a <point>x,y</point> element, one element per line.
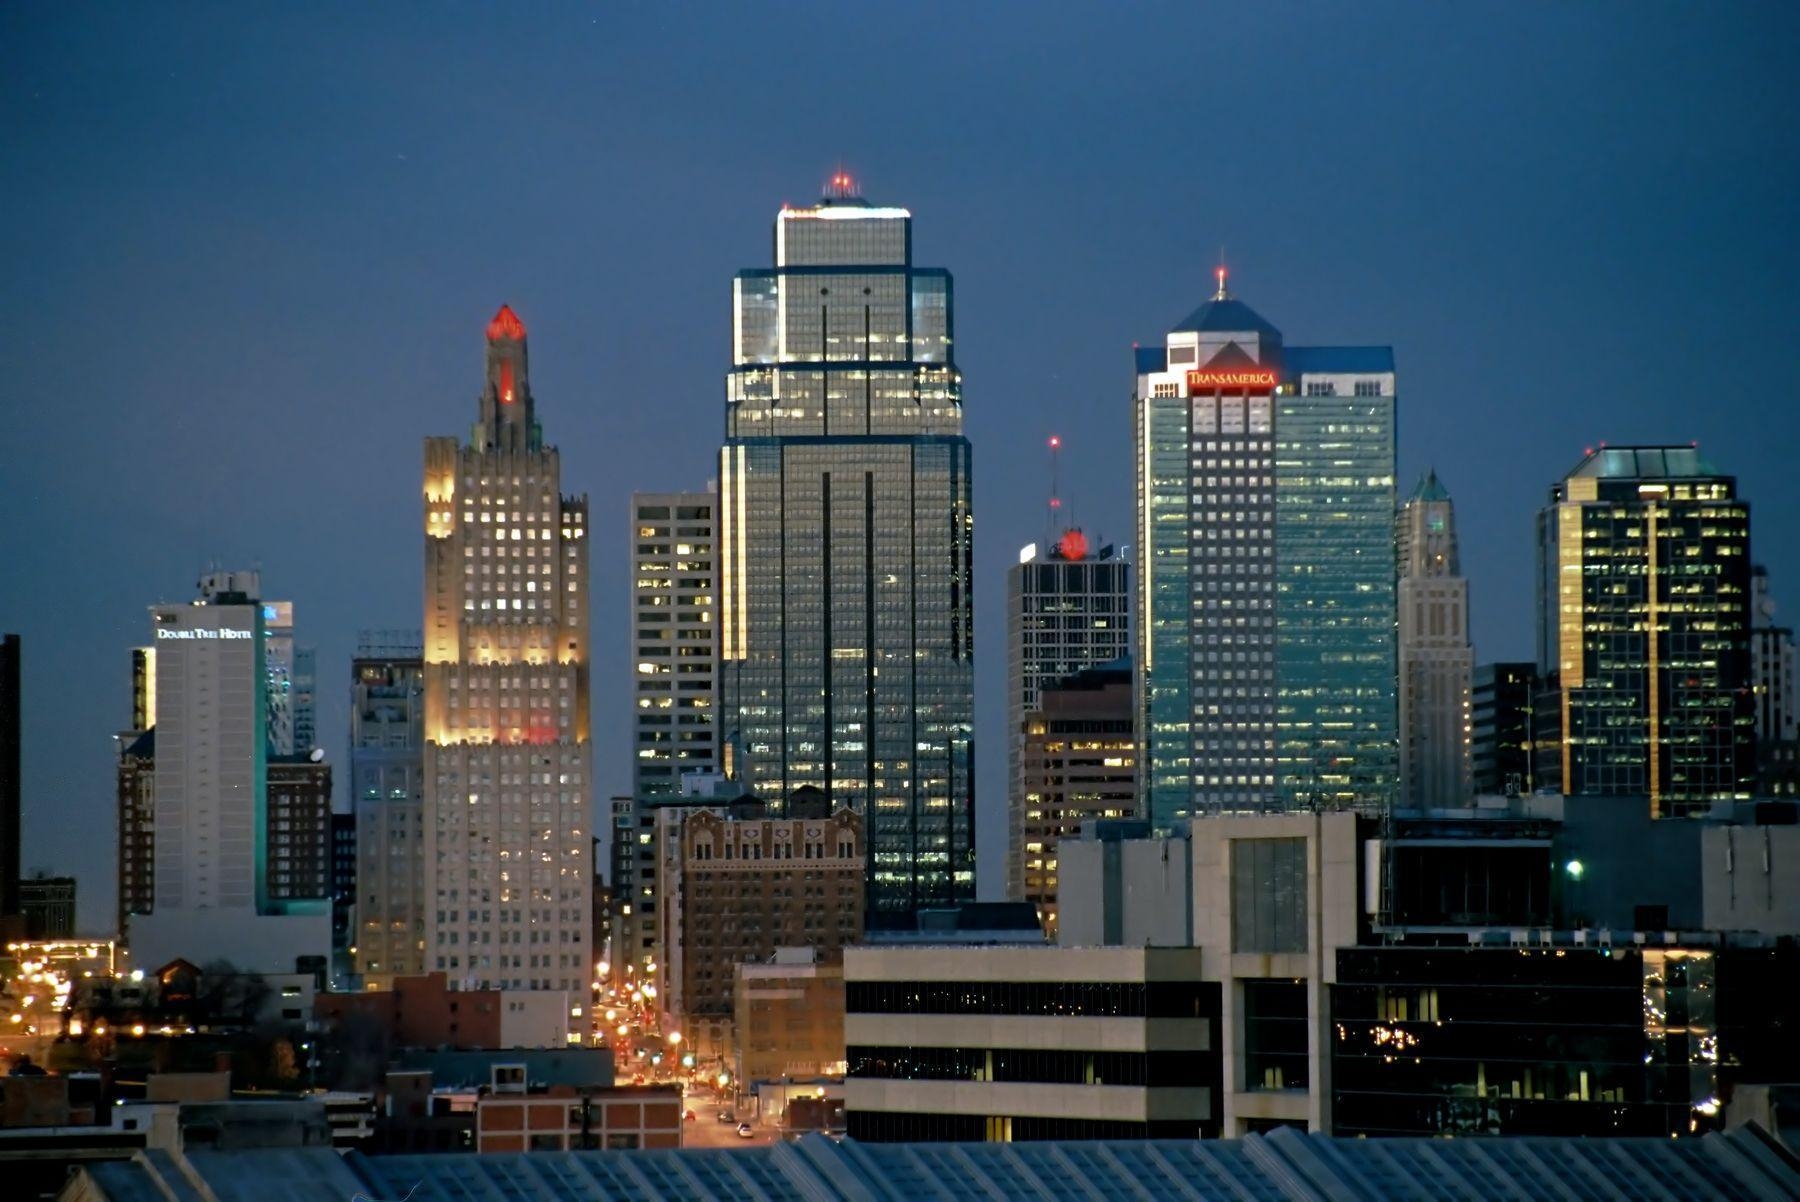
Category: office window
<point>1268,895</point>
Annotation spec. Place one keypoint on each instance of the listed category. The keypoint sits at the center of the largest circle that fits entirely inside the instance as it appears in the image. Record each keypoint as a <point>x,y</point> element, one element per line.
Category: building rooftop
<point>1645,463</point>
<point>1743,1163</point>
<point>1226,315</point>
<point>1430,488</point>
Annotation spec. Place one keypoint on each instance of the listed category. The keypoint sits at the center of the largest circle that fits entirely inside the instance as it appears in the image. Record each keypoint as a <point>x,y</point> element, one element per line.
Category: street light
<point>1574,868</point>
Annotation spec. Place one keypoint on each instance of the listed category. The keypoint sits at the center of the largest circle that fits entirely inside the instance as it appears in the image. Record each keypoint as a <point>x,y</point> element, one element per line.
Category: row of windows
<point>1050,1067</point>
<point>1102,999</point>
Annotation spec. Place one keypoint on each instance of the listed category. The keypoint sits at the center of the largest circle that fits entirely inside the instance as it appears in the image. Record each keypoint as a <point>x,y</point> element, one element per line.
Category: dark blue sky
<point>246,264</point>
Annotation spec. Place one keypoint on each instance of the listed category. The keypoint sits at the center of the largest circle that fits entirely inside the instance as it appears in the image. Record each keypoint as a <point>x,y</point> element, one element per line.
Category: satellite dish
<point>317,756</point>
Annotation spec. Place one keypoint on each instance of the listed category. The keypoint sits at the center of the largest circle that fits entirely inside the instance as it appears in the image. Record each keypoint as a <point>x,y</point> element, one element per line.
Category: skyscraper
<point>1265,569</point>
<point>1078,763</point>
<point>10,697</point>
<point>1436,660</point>
<point>846,532</point>
<point>673,654</point>
<point>216,850</point>
<point>1502,699</point>
<point>1772,663</point>
<point>1067,608</point>
<point>387,790</point>
<point>1644,615</point>
<point>508,889</point>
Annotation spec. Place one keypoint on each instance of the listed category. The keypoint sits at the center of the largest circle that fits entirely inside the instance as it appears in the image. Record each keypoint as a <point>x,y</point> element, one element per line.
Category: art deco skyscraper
<point>1265,569</point>
<point>1436,660</point>
<point>1644,616</point>
<point>846,529</point>
<point>509,886</point>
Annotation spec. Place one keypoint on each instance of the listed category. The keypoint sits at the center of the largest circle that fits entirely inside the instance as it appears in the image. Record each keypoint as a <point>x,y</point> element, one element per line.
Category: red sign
<point>1255,377</point>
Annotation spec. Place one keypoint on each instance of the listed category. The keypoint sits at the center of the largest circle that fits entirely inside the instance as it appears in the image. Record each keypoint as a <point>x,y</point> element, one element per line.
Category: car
<point>744,1131</point>
<point>687,1116</point>
<point>725,1116</point>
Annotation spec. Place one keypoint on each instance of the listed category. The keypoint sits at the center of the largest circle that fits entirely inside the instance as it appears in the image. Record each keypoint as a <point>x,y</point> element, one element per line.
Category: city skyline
<point>303,341</point>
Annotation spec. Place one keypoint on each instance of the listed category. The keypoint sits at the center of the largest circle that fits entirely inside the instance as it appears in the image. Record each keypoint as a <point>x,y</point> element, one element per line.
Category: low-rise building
<point>563,1119</point>
<point>789,1018</point>
<point>1019,1042</point>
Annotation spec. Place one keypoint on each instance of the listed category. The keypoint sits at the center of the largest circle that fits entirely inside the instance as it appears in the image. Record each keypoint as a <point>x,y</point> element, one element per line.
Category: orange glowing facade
<point>507,754</point>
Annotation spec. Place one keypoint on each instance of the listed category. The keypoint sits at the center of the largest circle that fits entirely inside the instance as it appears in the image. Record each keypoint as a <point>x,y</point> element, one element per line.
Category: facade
<point>1266,901</point>
<point>299,825</point>
<point>789,1018</point>
<point>1066,609</point>
<point>1436,661</point>
<point>508,763</point>
<point>846,531</point>
<point>387,791</point>
<point>1644,615</point>
<point>747,886</point>
<point>673,627</point>
<point>343,894</point>
<point>564,1119</point>
<point>1001,1044</point>
<point>1078,762</point>
<point>290,672</point>
<point>136,777</point>
<point>1265,605</point>
<point>1503,697</point>
<point>143,688</point>
<point>10,701</point>
<point>1630,1039</point>
<point>1777,709</point>
<point>215,851</point>
<point>48,904</point>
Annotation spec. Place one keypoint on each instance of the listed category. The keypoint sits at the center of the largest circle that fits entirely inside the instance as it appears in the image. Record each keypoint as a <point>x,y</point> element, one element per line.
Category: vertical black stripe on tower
<point>828,660</point>
<point>912,758</point>
<point>869,644</point>
<point>868,384</point>
<point>781,509</point>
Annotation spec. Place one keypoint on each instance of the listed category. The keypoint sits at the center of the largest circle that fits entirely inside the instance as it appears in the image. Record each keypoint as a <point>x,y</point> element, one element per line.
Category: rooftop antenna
<point>1053,510</point>
<point>1220,272</point>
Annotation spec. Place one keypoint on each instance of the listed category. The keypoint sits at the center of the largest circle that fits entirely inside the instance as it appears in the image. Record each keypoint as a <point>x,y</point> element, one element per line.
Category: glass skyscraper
<point>845,535</point>
<point>1266,570</point>
<point>1644,618</point>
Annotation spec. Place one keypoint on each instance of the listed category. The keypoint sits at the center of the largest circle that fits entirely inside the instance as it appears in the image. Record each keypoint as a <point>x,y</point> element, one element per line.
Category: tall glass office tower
<point>1644,619</point>
<point>1266,570</point>
<point>845,534</point>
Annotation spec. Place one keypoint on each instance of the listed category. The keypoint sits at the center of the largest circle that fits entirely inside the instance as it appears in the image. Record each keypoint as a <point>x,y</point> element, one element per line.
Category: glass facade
<point>1563,1041</point>
<point>1266,580</point>
<point>846,533</point>
<point>1644,617</point>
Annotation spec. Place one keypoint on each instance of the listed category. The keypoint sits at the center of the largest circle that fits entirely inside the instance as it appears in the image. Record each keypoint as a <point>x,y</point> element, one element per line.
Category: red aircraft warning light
<point>1073,546</point>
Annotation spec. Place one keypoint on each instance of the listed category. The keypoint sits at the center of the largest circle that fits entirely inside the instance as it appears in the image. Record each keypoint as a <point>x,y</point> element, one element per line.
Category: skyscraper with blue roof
<point>1265,606</point>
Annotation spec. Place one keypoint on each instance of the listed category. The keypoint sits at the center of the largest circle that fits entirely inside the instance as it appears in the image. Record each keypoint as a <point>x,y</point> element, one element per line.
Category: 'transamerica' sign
<point>1206,381</point>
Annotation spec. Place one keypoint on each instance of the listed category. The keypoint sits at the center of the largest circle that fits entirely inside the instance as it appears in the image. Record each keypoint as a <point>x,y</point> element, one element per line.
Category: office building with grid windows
<point>1265,602</point>
<point>673,590</point>
<point>845,529</point>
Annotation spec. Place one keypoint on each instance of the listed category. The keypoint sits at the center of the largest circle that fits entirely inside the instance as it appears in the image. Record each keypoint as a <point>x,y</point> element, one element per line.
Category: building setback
<point>1644,616</point>
<point>1265,606</point>
<point>846,532</point>
<point>1436,660</point>
<point>1067,608</point>
<point>508,893</point>
<point>387,791</point>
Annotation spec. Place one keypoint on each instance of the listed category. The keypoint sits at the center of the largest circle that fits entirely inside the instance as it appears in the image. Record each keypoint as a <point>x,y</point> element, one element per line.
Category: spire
<point>507,418</point>
<point>506,324</point>
<point>1430,488</point>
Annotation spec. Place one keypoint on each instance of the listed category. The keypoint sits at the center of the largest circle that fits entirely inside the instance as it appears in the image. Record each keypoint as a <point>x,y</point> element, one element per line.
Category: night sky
<point>245,265</point>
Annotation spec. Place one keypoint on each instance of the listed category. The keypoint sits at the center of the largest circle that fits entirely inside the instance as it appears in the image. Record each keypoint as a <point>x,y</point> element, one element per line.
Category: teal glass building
<point>1266,619</point>
<point>846,624</point>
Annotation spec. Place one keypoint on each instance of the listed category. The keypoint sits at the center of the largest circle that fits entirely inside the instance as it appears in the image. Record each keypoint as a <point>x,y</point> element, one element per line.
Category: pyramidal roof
<point>506,324</point>
<point>1430,488</point>
<point>1226,315</point>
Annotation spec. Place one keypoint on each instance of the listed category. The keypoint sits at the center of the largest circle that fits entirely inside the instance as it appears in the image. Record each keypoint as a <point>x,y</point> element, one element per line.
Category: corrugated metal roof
<point>1281,1166</point>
